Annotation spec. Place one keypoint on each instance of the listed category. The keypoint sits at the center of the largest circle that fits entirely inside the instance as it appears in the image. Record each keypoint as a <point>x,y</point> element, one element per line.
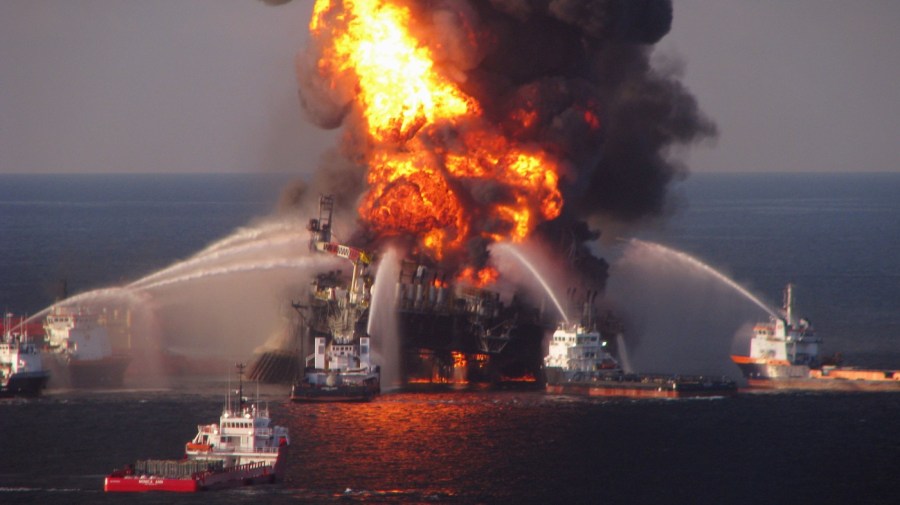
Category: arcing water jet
<point>703,267</point>
<point>241,242</point>
<point>512,250</point>
<point>680,315</point>
<point>250,266</point>
<point>251,234</point>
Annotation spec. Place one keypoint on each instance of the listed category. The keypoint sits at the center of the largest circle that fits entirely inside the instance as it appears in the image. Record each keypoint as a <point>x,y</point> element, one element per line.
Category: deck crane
<point>320,240</point>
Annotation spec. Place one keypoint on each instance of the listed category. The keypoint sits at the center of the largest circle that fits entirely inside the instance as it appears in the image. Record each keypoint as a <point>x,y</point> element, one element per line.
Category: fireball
<point>431,151</point>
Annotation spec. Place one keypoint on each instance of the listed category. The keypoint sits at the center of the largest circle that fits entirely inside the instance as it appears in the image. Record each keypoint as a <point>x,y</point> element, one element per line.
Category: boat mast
<point>789,304</point>
<point>240,369</point>
<point>320,229</point>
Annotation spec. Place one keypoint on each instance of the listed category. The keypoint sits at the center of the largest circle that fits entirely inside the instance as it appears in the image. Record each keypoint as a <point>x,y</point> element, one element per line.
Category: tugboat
<point>578,363</point>
<point>81,351</point>
<point>784,354</point>
<point>242,449</point>
<point>340,367</point>
<point>21,370</point>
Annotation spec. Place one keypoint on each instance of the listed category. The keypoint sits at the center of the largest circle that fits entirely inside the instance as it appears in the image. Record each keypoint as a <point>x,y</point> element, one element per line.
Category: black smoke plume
<point>582,69</point>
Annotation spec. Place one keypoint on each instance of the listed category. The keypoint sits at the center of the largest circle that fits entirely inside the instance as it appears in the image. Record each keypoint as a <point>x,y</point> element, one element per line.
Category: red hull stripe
<point>141,484</point>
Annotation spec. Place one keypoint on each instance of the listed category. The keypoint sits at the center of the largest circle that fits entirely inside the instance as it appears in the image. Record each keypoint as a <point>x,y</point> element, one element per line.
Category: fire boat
<point>80,351</point>
<point>579,362</point>
<point>242,449</point>
<point>784,354</point>
<point>21,369</point>
<point>340,368</point>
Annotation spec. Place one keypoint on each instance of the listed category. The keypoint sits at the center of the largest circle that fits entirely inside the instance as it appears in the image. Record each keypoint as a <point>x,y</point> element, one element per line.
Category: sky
<point>209,85</point>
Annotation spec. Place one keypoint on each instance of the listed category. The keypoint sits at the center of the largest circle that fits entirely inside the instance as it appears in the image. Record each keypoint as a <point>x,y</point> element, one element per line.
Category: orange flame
<point>479,278</point>
<point>429,142</point>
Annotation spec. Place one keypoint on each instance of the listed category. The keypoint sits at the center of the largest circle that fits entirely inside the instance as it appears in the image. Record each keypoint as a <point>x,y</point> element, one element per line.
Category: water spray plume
<point>513,250</point>
<point>117,294</point>
<point>291,240</point>
<point>624,358</point>
<point>318,262</point>
<point>252,234</point>
<point>694,262</point>
<point>267,246</point>
<point>382,324</point>
<point>680,314</point>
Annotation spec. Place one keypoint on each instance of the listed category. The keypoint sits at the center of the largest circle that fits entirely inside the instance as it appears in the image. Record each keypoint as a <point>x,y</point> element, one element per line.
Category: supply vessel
<point>21,369</point>
<point>79,351</point>
<point>579,362</point>
<point>341,367</point>
<point>244,448</point>
<point>785,354</point>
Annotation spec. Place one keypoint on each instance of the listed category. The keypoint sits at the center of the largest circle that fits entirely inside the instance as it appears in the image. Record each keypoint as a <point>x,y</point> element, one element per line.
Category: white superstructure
<point>21,369</point>
<point>574,348</point>
<point>77,334</point>
<point>81,351</point>
<point>243,436</point>
<point>243,448</point>
<point>340,368</point>
<point>786,339</point>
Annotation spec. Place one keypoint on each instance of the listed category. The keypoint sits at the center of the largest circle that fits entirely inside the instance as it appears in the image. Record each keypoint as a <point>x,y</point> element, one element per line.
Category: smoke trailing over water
<point>572,77</point>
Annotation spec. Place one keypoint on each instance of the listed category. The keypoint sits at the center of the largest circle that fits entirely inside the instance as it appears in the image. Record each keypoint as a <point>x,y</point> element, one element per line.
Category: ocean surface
<point>836,236</point>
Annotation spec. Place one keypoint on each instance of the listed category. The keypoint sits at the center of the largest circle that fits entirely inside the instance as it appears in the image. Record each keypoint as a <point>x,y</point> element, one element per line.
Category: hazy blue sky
<point>208,85</point>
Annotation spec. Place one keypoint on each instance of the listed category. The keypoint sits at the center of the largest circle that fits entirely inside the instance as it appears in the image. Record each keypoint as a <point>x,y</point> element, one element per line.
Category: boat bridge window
<point>238,424</point>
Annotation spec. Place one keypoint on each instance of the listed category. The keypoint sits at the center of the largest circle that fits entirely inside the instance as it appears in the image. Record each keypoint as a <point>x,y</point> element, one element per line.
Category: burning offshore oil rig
<point>466,124</point>
<point>448,332</point>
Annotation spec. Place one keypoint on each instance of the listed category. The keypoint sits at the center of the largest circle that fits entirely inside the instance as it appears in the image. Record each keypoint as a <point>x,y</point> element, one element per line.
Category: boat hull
<point>321,386</point>
<point>643,386</point>
<point>245,475</point>
<point>102,373</point>
<point>310,393</point>
<point>108,372</point>
<point>824,385</point>
<point>135,484</point>
<point>28,384</point>
<point>763,374</point>
<point>631,392</point>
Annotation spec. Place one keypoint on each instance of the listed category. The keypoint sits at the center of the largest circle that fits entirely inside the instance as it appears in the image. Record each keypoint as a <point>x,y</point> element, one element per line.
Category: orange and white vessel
<point>785,354</point>
<point>242,449</point>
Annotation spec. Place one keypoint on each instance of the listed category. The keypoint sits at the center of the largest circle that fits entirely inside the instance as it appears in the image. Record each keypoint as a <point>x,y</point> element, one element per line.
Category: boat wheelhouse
<point>242,448</point>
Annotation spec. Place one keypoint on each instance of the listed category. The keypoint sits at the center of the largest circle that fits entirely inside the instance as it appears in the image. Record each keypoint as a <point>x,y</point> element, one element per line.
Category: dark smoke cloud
<point>324,106</point>
<point>582,69</point>
<point>635,21</point>
<point>567,60</point>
